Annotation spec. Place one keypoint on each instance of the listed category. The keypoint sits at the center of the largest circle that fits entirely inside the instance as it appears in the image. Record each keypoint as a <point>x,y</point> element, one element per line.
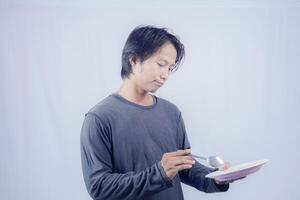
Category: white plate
<point>237,171</point>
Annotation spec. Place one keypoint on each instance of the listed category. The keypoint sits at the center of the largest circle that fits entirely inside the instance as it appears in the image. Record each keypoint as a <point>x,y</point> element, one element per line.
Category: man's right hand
<point>173,162</point>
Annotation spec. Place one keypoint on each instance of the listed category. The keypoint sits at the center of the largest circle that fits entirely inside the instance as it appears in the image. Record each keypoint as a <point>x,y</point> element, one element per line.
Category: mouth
<point>159,83</point>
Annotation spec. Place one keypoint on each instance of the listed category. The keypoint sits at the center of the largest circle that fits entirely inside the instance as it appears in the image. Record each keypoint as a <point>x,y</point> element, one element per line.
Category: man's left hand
<point>229,181</point>
<point>225,167</point>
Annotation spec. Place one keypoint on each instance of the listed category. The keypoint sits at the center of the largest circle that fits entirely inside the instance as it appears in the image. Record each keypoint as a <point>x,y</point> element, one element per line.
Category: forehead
<point>167,53</point>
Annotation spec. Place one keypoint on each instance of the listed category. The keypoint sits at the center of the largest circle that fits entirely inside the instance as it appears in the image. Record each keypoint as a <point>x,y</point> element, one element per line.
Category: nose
<point>165,74</point>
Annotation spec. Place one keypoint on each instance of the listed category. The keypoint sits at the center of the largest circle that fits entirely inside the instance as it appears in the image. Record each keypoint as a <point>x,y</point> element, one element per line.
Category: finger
<point>228,164</point>
<point>220,182</point>
<point>225,166</point>
<point>180,157</point>
<point>183,157</point>
<point>180,152</point>
<point>223,182</point>
<point>183,167</point>
<point>231,181</point>
<point>183,161</point>
<point>172,159</point>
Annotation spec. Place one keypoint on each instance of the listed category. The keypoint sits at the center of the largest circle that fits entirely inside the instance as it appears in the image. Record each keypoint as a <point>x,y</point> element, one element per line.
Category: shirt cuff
<point>222,187</point>
<point>166,179</point>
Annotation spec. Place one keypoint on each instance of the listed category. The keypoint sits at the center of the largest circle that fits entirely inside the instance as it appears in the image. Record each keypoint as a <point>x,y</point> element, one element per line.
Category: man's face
<point>152,73</point>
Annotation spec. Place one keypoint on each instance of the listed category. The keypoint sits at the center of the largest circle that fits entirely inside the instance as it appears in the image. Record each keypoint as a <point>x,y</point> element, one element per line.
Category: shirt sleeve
<point>100,179</point>
<point>195,176</point>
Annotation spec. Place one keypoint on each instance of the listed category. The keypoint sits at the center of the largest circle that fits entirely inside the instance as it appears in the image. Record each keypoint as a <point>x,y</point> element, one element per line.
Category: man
<point>134,144</point>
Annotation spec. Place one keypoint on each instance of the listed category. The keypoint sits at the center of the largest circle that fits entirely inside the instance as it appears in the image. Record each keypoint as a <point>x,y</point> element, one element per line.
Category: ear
<point>134,63</point>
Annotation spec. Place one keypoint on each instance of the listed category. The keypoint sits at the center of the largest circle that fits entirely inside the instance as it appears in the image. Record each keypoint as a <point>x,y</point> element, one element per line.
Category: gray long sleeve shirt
<point>122,144</point>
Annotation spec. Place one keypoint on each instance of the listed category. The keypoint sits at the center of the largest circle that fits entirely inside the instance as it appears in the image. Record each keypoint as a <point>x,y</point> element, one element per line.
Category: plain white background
<point>238,88</point>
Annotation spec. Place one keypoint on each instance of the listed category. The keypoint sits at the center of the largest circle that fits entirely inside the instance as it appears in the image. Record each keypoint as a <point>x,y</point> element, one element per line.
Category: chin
<point>153,90</point>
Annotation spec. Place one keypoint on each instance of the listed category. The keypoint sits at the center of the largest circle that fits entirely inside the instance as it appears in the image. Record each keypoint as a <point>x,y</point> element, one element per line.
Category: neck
<point>130,91</point>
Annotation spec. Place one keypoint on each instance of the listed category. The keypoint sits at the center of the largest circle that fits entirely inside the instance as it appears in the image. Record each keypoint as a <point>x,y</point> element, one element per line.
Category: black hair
<point>143,42</point>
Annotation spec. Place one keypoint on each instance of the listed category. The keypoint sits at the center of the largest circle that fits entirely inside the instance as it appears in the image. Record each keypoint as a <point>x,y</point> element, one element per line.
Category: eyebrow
<point>165,61</point>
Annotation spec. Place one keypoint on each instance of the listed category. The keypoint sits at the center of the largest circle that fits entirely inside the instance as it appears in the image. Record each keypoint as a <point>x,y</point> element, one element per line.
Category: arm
<point>195,176</point>
<point>97,166</point>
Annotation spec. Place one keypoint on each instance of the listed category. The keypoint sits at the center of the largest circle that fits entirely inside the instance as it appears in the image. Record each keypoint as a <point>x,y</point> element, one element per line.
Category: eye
<point>159,64</point>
